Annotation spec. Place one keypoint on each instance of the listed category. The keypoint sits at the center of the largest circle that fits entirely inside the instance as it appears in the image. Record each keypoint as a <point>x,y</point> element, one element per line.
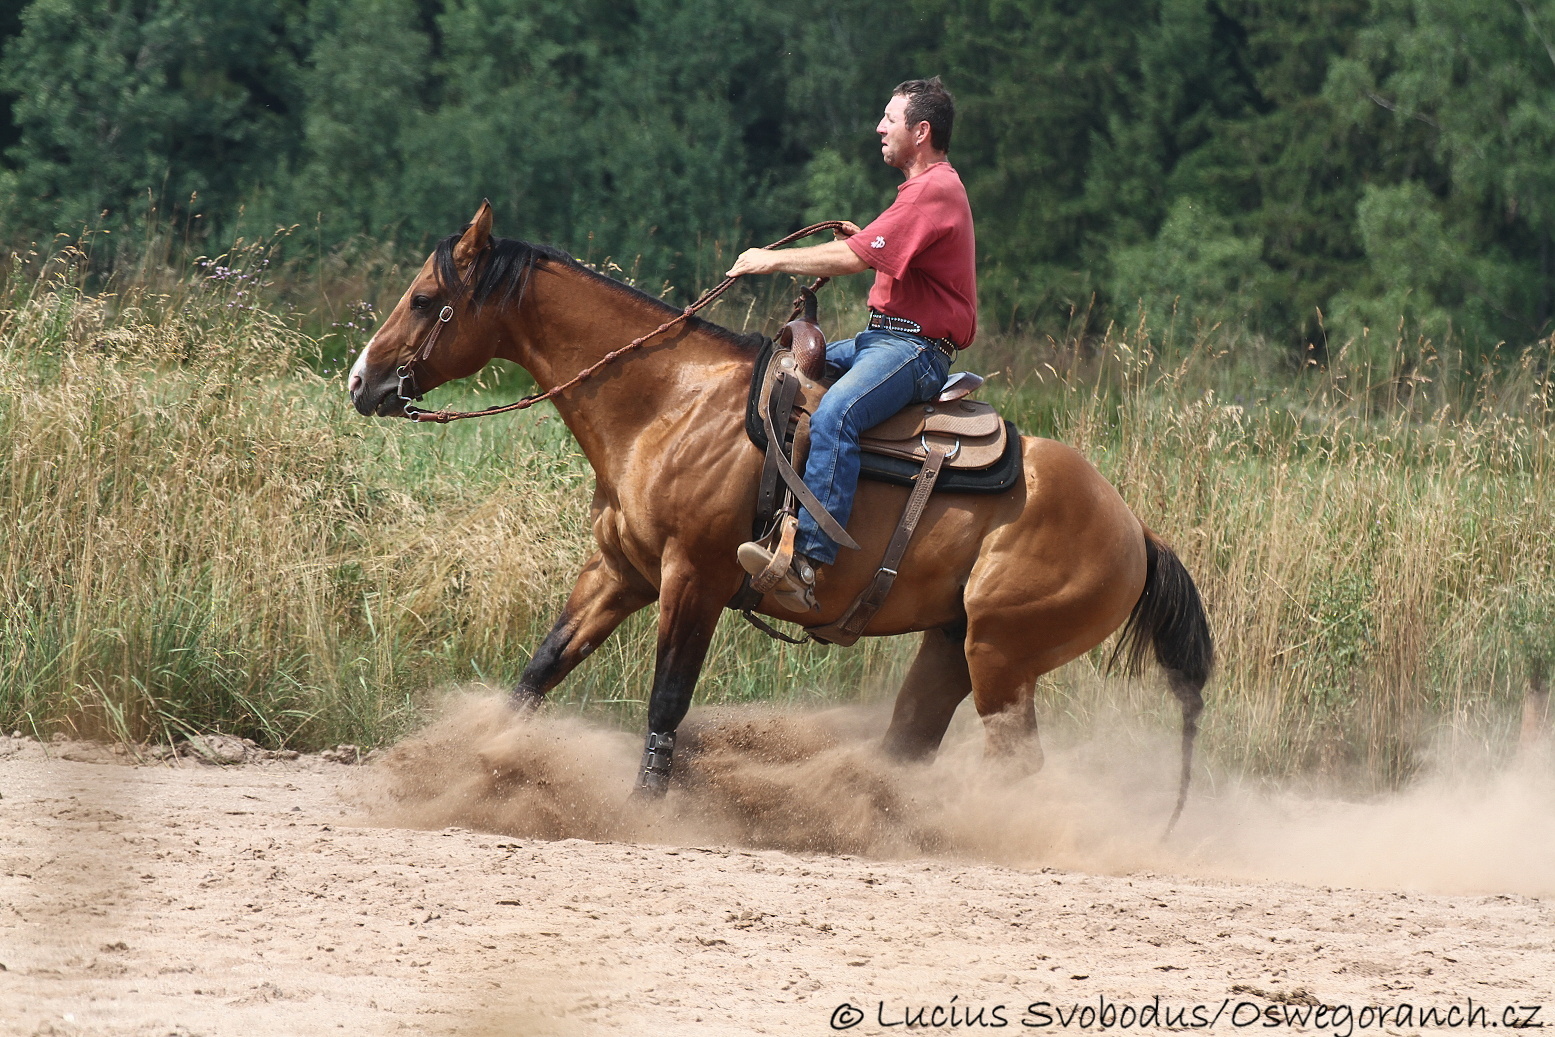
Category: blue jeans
<point>880,373</point>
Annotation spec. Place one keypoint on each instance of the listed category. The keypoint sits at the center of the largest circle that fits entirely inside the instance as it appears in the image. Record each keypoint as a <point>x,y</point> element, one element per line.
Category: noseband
<point>409,392</point>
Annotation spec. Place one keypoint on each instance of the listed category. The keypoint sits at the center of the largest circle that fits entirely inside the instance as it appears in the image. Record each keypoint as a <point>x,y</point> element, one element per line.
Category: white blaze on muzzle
<point>359,369</point>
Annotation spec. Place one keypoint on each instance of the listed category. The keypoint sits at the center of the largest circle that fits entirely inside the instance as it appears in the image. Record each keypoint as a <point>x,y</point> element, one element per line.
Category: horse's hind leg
<point>605,594</point>
<point>1002,688</point>
<point>935,686</point>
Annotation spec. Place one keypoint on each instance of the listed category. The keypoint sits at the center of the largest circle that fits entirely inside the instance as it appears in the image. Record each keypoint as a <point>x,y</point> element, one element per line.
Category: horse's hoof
<point>1016,762</point>
<point>651,785</point>
<point>525,702</point>
<point>905,750</point>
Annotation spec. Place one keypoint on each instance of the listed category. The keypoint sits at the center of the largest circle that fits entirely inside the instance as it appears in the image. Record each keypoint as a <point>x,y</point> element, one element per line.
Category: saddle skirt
<point>977,436</point>
<point>971,428</point>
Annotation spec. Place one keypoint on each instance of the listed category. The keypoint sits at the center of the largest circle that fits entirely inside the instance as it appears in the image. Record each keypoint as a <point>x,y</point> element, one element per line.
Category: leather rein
<point>407,373</point>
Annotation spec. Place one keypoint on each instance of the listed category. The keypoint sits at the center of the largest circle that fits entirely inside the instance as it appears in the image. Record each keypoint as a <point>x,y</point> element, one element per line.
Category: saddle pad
<point>997,449</point>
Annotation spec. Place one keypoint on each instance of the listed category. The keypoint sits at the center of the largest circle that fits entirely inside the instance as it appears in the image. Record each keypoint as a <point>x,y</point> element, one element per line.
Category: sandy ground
<point>492,877</point>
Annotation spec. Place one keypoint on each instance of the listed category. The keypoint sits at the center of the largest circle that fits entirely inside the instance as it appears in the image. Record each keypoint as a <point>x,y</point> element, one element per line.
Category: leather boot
<point>796,590</point>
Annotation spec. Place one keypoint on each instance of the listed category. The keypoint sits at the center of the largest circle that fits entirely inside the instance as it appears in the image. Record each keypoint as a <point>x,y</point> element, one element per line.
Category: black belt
<point>884,322</point>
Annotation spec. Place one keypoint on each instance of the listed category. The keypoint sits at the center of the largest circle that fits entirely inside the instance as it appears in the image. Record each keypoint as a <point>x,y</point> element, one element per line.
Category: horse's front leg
<point>936,683</point>
<point>688,615</point>
<point>608,590</point>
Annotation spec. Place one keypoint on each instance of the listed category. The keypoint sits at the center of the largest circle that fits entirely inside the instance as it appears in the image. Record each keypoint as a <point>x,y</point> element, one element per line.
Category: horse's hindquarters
<point>1052,583</point>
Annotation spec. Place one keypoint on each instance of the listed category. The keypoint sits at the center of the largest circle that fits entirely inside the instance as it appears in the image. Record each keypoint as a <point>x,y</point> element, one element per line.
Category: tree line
<point>1311,168</point>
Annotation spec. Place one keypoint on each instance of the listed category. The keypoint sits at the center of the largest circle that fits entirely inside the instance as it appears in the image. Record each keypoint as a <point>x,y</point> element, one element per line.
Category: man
<point>923,309</point>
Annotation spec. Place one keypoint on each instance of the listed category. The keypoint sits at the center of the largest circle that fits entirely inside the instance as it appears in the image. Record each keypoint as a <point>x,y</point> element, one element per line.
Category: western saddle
<point>952,443</point>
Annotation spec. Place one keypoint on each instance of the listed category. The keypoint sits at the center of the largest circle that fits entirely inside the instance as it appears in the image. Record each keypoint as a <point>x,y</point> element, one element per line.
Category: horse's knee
<point>935,685</point>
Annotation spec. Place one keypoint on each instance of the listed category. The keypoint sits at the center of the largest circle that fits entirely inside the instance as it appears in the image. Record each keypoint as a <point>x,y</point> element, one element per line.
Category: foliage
<point>1196,269</point>
<point>1474,231</point>
<point>171,99</point>
<point>1381,161</point>
<point>1416,269</point>
<point>363,87</point>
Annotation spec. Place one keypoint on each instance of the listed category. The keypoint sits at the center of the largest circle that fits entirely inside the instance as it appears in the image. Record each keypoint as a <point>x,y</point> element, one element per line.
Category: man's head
<point>917,122</point>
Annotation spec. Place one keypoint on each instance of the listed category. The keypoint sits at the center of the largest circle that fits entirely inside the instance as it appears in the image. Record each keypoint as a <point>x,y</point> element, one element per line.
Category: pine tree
<point>123,104</point>
<point>1475,85</point>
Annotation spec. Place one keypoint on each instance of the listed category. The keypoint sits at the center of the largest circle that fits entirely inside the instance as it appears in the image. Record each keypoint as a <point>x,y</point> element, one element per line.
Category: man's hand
<point>754,261</point>
<point>847,230</point>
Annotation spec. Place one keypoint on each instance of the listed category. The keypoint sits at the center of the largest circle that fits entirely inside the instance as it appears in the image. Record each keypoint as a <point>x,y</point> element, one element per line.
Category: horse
<point>1002,588</point>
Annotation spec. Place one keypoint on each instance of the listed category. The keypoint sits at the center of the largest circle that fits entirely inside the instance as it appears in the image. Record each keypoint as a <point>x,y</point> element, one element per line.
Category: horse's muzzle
<point>378,398</point>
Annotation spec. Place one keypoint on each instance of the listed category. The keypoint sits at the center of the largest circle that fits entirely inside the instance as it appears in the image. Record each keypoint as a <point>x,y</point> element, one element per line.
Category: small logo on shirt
<point>879,241</point>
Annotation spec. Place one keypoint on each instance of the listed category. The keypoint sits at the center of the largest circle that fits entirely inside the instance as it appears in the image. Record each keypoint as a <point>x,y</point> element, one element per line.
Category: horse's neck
<point>570,320</point>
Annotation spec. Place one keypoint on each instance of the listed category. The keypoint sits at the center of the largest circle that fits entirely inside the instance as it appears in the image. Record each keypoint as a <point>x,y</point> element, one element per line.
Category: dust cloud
<point>814,782</point>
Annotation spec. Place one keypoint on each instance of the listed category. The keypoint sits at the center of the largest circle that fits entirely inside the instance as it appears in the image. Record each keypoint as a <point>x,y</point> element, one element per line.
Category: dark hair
<point>928,101</point>
<point>506,271</point>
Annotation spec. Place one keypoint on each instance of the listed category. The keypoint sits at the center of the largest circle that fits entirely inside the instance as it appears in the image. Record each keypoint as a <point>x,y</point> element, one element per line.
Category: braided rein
<point>407,390</point>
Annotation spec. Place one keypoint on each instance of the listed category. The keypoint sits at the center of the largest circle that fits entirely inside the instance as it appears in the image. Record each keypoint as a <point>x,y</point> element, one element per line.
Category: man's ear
<point>475,238</point>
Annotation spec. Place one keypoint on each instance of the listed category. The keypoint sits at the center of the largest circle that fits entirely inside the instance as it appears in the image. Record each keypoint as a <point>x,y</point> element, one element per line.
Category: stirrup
<point>788,577</point>
<point>768,560</point>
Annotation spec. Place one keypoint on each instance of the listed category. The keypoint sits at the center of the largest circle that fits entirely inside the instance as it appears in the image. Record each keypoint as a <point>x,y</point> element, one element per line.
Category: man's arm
<point>832,259</point>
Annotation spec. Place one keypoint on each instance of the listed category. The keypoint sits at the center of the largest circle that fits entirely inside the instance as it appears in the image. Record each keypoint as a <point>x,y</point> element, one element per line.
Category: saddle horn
<point>802,334</point>
<point>808,344</point>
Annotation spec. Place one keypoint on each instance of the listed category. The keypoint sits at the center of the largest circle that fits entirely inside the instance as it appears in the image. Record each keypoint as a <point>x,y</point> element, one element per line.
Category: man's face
<point>897,142</point>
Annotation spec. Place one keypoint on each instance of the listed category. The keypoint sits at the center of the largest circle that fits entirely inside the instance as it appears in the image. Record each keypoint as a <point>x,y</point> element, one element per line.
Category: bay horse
<point>1004,587</point>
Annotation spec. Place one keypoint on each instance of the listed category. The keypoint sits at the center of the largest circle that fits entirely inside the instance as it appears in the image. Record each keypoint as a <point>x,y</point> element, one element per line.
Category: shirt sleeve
<point>895,237</point>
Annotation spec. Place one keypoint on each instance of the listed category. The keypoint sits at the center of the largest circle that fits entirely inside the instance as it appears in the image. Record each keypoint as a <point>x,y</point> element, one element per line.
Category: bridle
<point>409,393</point>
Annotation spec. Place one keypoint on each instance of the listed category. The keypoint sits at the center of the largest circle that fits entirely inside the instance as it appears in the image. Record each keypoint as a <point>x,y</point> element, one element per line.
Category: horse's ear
<point>477,237</point>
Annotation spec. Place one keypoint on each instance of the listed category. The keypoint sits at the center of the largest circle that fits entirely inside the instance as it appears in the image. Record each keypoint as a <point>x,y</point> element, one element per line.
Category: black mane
<point>504,275</point>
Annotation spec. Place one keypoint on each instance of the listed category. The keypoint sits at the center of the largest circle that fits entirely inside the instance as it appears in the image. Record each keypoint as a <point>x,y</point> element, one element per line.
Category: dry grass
<point>1372,544</point>
<point>199,533</point>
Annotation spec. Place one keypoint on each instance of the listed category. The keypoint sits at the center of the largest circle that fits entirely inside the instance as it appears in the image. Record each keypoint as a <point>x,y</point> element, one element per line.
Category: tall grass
<point>1372,543</point>
<point>200,533</point>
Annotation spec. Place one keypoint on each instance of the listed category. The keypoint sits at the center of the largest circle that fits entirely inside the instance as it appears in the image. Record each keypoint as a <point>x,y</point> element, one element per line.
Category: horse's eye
<point>420,302</point>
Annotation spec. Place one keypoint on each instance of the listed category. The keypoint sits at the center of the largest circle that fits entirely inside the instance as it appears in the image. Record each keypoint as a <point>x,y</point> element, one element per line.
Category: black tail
<point>1170,618</point>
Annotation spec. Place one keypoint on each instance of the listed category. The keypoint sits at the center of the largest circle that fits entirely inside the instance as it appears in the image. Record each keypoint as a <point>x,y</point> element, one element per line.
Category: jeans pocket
<point>929,372</point>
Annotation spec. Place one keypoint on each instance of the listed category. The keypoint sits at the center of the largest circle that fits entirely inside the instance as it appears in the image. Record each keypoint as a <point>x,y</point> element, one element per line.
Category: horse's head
<point>442,307</point>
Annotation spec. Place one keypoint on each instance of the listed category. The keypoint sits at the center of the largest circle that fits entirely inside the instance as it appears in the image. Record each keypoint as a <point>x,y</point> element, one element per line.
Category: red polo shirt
<point>925,257</point>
